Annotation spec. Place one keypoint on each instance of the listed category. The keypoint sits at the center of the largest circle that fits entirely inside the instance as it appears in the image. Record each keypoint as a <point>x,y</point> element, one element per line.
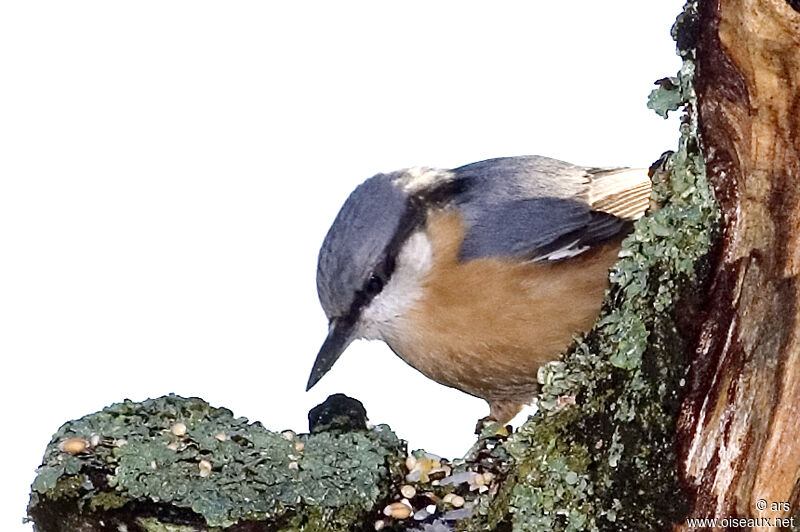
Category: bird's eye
<point>374,285</point>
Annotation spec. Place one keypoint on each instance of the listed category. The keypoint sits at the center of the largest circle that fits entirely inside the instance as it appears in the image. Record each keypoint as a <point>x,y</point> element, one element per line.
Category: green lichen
<point>599,454</point>
<point>667,97</point>
<point>221,471</point>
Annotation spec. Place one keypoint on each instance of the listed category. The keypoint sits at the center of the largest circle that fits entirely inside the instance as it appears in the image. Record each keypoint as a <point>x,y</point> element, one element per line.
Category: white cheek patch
<point>405,287</point>
<point>416,179</point>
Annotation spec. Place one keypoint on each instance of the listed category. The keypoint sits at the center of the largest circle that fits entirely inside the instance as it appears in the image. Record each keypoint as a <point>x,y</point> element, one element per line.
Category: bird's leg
<point>504,411</point>
<point>500,413</point>
<point>486,427</point>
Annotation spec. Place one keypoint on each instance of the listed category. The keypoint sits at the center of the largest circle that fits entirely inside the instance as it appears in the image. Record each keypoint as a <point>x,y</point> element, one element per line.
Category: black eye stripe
<point>412,219</point>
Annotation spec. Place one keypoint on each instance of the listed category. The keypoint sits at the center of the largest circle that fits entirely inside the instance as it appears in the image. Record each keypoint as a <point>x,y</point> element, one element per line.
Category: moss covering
<point>187,463</point>
<point>599,454</point>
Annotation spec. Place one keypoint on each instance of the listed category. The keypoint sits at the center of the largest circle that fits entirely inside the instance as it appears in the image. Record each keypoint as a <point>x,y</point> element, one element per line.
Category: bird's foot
<point>487,449</point>
<point>488,427</point>
<point>496,423</point>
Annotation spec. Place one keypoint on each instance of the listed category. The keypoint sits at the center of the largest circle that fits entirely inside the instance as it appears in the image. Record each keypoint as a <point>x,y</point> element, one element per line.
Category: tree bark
<point>740,418</point>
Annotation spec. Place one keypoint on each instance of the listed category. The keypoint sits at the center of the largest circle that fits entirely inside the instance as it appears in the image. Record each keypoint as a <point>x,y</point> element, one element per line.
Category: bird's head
<point>374,258</point>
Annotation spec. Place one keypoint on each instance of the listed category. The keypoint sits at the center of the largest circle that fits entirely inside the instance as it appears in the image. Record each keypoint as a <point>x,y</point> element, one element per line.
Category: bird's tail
<point>622,192</point>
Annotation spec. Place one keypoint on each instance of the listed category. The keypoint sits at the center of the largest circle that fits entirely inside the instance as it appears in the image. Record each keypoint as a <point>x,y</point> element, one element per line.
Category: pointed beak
<point>340,335</point>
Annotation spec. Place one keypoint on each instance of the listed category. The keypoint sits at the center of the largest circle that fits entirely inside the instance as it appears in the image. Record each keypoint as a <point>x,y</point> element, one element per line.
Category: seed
<point>411,462</point>
<point>73,445</point>
<point>408,491</point>
<point>379,524</point>
<point>179,429</point>
<point>221,436</point>
<point>414,476</point>
<point>299,446</point>
<point>432,496</point>
<point>205,468</point>
<point>419,515</point>
<point>458,501</point>
<point>437,474</point>
<point>288,434</point>
<point>397,510</point>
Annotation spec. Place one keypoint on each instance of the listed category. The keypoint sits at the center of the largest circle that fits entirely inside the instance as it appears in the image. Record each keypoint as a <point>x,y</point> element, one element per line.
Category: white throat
<point>405,287</point>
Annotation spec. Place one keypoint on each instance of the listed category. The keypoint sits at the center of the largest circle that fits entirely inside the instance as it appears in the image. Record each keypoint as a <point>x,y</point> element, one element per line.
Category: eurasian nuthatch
<point>476,276</point>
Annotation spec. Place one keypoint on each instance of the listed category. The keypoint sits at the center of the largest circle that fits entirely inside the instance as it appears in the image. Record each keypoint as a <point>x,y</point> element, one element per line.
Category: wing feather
<point>623,192</point>
<point>541,209</point>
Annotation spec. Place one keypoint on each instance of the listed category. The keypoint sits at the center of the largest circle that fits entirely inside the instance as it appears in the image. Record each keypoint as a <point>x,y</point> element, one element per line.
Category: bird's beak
<point>340,335</point>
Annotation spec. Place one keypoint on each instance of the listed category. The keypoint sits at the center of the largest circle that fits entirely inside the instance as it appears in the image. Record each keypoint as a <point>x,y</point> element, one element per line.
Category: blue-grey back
<point>529,207</point>
<point>528,176</point>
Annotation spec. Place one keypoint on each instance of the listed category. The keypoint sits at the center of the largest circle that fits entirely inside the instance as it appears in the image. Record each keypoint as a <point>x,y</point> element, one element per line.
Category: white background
<point>168,171</point>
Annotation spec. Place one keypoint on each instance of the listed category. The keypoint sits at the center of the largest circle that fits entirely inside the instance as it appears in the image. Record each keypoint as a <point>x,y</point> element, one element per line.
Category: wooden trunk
<point>739,429</point>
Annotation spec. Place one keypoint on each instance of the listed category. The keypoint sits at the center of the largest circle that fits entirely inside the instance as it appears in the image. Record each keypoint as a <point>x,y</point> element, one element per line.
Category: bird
<point>476,276</point>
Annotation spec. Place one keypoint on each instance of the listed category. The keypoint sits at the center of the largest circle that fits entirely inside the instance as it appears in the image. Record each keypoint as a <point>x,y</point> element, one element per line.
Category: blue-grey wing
<point>538,229</point>
<point>541,209</point>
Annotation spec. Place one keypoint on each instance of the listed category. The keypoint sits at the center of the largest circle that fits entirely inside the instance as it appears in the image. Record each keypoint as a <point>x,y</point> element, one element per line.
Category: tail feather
<point>622,192</point>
